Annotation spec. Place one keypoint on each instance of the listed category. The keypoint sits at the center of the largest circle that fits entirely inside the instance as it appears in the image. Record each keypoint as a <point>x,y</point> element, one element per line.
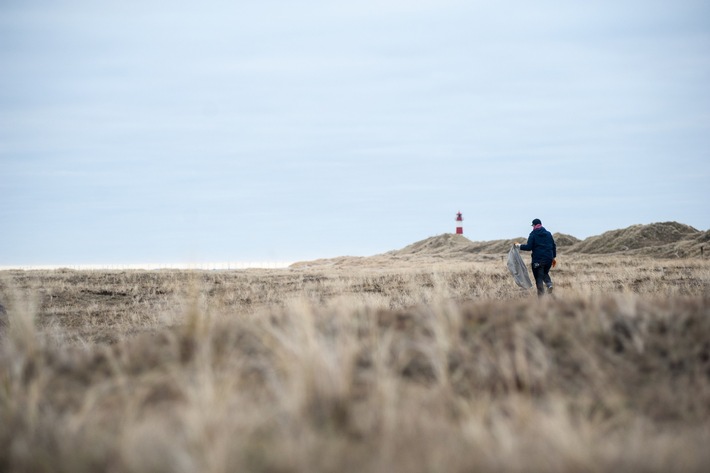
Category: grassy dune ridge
<point>421,365</point>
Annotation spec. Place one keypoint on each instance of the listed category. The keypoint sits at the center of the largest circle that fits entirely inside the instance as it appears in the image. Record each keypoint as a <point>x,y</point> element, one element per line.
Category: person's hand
<point>554,262</point>
<point>517,245</point>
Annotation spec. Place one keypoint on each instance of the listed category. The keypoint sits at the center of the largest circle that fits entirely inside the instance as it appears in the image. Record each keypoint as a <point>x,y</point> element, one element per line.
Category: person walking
<point>544,254</point>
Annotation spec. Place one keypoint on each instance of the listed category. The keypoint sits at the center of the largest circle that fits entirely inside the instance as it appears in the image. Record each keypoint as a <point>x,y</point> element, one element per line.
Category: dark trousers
<point>541,272</point>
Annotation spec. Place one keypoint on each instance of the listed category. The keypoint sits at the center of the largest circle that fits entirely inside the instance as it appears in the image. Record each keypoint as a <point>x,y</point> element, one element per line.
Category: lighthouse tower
<point>459,223</point>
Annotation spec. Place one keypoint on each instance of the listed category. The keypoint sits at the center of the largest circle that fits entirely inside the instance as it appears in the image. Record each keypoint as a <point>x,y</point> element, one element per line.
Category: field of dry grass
<point>380,365</point>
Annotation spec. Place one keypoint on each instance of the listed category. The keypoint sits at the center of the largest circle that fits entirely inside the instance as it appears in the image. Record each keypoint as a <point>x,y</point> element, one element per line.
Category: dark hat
<point>536,222</point>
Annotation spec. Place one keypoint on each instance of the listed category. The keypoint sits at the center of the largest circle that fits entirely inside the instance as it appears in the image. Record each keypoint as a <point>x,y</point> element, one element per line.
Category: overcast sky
<point>164,131</point>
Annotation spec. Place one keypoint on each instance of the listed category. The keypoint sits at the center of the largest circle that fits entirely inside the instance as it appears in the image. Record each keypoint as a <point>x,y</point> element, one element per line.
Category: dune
<point>658,240</point>
<point>664,240</point>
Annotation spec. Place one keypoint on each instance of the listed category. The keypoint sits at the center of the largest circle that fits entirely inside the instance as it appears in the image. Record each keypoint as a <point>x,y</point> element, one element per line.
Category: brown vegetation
<point>669,239</point>
<point>659,240</point>
<point>406,362</point>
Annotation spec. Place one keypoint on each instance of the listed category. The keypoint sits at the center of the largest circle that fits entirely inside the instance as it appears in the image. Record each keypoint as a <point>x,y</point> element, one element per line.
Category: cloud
<point>391,113</point>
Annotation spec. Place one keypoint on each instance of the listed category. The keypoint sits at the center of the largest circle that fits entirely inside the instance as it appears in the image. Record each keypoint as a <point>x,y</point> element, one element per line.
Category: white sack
<point>517,268</point>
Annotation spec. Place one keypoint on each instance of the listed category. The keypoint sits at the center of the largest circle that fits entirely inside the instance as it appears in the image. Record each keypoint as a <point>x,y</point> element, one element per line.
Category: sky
<point>273,130</point>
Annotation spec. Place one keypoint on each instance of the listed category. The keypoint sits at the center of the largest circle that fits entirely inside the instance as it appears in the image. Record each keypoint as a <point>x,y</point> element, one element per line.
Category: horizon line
<point>228,265</point>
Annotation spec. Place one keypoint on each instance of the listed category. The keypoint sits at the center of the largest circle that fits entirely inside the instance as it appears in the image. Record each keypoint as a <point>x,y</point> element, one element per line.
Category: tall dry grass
<point>445,368</point>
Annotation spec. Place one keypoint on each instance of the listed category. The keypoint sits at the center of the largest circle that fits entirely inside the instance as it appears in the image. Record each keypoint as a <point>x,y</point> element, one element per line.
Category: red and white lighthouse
<point>459,223</point>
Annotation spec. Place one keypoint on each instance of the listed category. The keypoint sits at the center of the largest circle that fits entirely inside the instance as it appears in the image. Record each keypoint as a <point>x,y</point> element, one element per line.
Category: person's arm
<point>529,245</point>
<point>554,249</point>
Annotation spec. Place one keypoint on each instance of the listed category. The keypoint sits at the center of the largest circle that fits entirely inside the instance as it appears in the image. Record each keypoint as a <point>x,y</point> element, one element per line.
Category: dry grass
<point>669,239</point>
<point>426,366</point>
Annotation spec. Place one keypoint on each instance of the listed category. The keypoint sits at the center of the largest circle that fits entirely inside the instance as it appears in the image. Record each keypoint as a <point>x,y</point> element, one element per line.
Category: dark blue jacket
<point>542,245</point>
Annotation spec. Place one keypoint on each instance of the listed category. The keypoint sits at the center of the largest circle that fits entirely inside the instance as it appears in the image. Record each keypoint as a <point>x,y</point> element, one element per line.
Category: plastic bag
<point>517,268</point>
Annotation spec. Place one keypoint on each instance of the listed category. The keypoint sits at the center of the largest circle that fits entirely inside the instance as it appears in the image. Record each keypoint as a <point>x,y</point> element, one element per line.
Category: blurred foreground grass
<point>436,368</point>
